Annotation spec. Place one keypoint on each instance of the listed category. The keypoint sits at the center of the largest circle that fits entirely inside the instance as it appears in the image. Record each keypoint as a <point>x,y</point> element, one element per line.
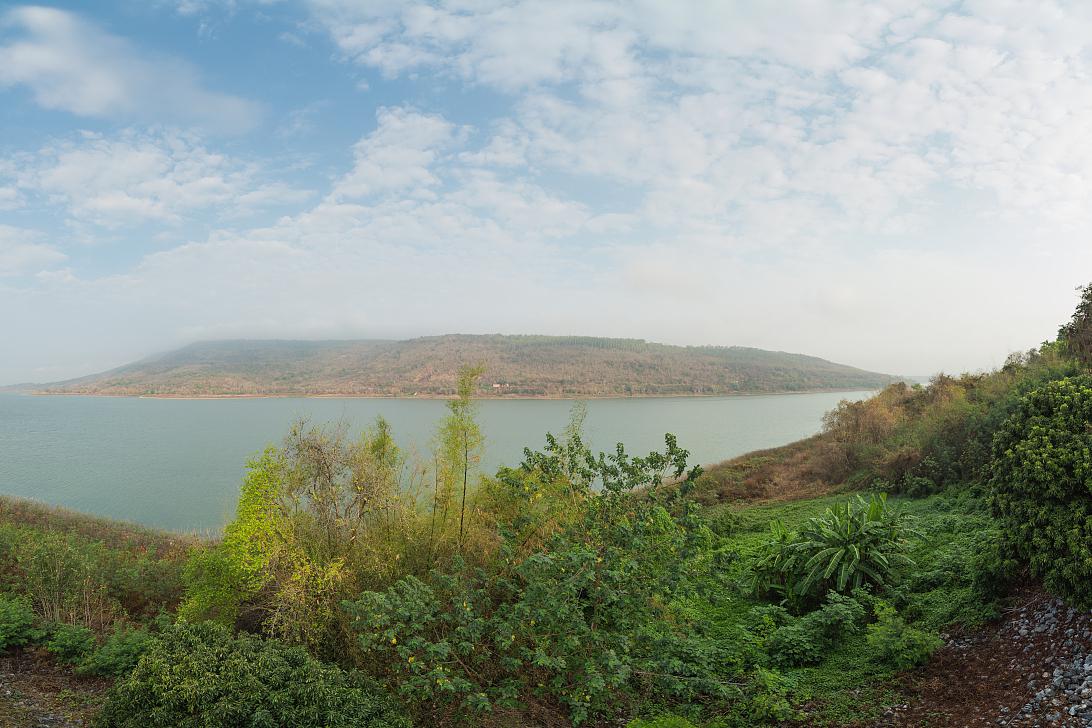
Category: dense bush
<point>962,575</point>
<point>898,644</point>
<point>70,643</point>
<point>118,654</point>
<point>921,440</point>
<point>847,547</point>
<point>202,675</point>
<point>318,520</point>
<point>806,640</point>
<point>16,622</point>
<point>1042,482</point>
<point>72,579</point>
<point>581,621</point>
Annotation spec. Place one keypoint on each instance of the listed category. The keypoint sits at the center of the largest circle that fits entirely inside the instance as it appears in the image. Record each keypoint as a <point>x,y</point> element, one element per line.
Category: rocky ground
<point>1031,669</point>
<point>36,692</point>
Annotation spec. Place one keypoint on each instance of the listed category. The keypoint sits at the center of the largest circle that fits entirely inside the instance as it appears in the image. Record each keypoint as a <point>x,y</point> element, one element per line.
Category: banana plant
<point>852,545</point>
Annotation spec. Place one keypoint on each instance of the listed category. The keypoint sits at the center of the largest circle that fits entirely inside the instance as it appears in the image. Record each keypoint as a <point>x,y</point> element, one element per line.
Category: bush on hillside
<point>16,622</point>
<point>201,675</point>
<point>574,613</point>
<point>70,643</point>
<point>808,639</point>
<point>896,643</point>
<point>118,654</point>
<point>1042,482</point>
<point>71,579</point>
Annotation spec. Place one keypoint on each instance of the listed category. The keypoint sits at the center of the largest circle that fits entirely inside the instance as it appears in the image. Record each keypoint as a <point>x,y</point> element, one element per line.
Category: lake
<point>177,464</point>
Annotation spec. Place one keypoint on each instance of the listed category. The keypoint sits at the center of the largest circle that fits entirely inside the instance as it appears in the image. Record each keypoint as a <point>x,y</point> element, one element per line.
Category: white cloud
<point>21,253</point>
<point>712,106</point>
<point>397,156</point>
<point>898,185</point>
<point>9,198</point>
<point>160,176</point>
<point>70,64</point>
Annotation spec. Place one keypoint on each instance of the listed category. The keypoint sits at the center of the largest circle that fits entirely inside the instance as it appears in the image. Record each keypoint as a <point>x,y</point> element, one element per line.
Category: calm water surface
<point>177,463</point>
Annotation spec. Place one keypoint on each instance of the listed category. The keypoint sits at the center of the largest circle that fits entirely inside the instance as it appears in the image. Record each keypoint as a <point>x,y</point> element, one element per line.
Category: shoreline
<point>444,397</point>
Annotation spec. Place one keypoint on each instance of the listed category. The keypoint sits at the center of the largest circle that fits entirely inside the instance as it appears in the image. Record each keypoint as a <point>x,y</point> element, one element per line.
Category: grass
<point>114,534</point>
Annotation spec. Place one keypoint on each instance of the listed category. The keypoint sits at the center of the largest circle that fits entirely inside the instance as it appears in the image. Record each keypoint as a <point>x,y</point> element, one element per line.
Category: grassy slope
<point>519,365</point>
<point>113,534</point>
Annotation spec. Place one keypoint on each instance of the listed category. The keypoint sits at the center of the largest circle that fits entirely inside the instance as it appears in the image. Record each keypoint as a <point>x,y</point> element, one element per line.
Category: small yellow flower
<point>394,640</point>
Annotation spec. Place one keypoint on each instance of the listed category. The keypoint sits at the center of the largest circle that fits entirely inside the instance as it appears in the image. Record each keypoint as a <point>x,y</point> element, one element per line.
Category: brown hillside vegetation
<point>515,366</point>
<point>908,438</point>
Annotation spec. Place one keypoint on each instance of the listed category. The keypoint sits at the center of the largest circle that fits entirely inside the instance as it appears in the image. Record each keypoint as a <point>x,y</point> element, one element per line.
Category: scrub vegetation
<point>356,586</point>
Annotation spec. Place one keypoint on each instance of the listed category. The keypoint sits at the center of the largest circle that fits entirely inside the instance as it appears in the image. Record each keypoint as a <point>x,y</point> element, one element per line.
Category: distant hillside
<point>516,366</point>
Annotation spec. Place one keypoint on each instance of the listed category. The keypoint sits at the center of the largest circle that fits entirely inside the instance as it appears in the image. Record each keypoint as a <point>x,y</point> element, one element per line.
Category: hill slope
<point>521,366</point>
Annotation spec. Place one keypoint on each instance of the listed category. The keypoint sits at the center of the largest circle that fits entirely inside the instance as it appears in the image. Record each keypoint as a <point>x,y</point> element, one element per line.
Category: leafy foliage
<point>805,641</point>
<point>1042,481</point>
<point>317,519</point>
<point>70,643</point>
<point>73,579</point>
<point>581,622</point>
<point>859,543</point>
<point>16,622</point>
<point>201,675</point>
<point>1076,334</point>
<point>895,642</point>
<point>118,654</point>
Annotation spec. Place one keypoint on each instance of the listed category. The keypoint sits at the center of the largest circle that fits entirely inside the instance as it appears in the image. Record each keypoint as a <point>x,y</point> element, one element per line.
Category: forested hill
<point>515,366</point>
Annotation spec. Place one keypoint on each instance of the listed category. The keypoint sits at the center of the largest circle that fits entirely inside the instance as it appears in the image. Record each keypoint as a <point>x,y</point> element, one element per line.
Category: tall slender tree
<point>461,441</point>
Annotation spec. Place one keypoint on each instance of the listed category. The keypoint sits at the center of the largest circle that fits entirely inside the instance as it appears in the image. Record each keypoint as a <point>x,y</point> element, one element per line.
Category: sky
<point>899,185</point>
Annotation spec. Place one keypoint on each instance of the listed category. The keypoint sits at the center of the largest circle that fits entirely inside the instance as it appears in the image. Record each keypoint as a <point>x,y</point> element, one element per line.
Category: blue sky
<point>899,185</point>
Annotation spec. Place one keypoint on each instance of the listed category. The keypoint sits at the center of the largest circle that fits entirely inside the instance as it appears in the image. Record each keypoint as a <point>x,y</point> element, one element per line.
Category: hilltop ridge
<point>515,366</point>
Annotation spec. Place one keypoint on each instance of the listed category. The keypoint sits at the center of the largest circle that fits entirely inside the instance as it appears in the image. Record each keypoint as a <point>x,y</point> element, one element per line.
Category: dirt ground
<point>37,692</point>
<point>988,677</point>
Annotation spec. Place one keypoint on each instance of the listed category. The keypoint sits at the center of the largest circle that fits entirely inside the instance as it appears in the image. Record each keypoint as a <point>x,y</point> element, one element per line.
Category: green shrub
<point>859,543</point>
<point>726,523</point>
<point>70,643</point>
<point>67,578</point>
<point>808,639</point>
<point>766,699</point>
<point>574,625</point>
<point>581,620</point>
<point>215,587</point>
<point>1041,475</point>
<point>201,675</point>
<point>118,654</point>
<point>72,579</point>
<point>917,486</point>
<point>16,622</point>
<point>993,571</point>
<point>895,643</point>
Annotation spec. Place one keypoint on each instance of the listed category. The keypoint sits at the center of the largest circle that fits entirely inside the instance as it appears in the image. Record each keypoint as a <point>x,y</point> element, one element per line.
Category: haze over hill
<point>515,366</point>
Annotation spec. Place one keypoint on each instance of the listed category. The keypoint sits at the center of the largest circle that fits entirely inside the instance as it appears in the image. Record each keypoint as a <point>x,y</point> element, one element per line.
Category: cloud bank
<point>903,186</point>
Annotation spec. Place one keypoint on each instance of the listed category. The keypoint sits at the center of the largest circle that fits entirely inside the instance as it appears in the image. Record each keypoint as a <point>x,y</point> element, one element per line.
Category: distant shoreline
<point>442,397</point>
